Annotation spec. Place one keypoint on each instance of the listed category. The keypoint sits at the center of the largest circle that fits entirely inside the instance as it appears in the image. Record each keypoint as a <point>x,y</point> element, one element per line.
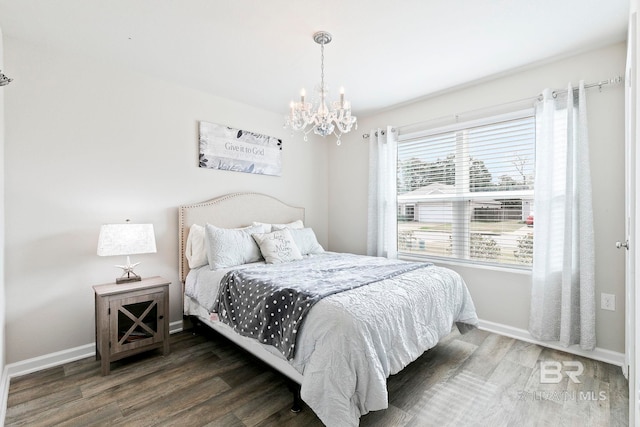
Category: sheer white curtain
<point>563,285</point>
<point>382,218</point>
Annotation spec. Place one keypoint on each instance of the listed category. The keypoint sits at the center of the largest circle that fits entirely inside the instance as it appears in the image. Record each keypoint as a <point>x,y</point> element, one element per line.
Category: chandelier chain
<point>322,89</point>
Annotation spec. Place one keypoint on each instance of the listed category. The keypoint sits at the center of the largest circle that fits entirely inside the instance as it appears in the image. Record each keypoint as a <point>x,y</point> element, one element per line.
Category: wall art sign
<point>226,148</point>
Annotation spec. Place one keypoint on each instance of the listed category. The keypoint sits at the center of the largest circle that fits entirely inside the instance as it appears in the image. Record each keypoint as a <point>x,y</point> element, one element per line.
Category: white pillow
<point>195,248</point>
<point>278,246</point>
<point>273,227</point>
<point>230,247</point>
<point>306,241</point>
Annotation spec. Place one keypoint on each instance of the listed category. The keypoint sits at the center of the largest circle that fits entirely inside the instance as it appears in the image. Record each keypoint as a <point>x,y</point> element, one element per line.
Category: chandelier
<point>4,80</point>
<point>316,116</point>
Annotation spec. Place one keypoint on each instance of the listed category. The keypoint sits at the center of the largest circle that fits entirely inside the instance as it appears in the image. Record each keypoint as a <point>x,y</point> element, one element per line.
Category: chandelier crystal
<point>4,80</point>
<point>321,116</point>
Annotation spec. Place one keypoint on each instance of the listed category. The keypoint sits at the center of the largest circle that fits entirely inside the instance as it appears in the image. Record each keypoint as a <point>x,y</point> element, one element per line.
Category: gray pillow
<point>306,241</point>
<point>228,247</point>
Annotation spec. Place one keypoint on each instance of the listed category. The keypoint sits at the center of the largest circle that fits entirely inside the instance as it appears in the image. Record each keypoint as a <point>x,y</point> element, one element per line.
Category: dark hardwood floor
<point>477,379</point>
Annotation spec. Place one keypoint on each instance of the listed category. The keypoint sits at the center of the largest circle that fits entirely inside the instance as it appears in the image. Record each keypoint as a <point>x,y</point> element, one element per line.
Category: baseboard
<point>175,327</point>
<point>61,357</point>
<point>50,360</point>
<point>600,354</point>
<point>4,395</point>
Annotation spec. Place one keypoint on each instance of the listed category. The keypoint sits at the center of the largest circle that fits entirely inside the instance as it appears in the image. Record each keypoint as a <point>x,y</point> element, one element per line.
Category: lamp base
<point>120,280</point>
<point>128,275</point>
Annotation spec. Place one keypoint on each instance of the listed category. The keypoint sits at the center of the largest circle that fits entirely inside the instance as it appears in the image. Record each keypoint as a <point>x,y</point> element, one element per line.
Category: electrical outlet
<point>608,301</point>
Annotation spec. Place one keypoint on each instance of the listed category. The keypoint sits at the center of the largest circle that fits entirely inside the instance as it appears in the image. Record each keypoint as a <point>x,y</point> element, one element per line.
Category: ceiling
<point>261,52</point>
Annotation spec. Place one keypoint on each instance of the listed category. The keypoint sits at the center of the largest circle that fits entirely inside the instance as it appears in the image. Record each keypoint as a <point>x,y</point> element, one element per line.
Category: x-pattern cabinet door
<point>136,321</point>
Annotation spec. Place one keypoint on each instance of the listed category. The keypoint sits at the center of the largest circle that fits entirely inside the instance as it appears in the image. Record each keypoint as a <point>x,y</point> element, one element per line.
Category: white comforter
<point>352,341</point>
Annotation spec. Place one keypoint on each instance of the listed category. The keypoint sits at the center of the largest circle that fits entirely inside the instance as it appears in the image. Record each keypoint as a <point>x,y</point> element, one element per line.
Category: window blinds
<point>466,191</point>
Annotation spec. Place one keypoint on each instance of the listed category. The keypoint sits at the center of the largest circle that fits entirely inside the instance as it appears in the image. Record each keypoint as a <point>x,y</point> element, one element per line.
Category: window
<point>465,191</point>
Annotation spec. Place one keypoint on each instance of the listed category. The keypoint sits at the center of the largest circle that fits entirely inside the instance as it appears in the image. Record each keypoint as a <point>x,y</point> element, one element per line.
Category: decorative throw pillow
<point>306,241</point>
<point>278,246</point>
<point>230,247</point>
<point>195,248</point>
<point>273,227</point>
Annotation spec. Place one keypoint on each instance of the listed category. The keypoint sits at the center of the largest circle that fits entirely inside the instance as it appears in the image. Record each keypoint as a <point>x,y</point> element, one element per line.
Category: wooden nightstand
<point>131,318</point>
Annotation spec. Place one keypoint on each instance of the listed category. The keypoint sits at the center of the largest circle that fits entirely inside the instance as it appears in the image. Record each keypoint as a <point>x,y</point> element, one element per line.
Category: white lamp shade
<point>126,239</point>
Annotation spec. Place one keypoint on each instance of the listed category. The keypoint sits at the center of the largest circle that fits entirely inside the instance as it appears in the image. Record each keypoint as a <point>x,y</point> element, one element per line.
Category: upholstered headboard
<point>231,211</point>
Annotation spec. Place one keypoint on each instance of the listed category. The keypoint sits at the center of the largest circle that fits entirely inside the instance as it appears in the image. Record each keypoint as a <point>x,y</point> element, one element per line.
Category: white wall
<point>88,143</point>
<point>503,297</point>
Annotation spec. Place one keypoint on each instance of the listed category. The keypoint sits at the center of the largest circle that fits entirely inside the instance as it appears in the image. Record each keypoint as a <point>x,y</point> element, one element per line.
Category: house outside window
<point>465,192</point>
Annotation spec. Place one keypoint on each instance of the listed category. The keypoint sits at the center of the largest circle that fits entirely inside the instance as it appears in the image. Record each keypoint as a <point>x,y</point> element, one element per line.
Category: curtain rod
<point>611,81</point>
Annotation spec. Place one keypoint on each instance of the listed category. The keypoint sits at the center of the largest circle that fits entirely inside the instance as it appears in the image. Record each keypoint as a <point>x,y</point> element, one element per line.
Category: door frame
<point>632,216</point>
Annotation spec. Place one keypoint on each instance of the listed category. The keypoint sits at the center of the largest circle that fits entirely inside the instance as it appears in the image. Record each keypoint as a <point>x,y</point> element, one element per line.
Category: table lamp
<point>126,239</point>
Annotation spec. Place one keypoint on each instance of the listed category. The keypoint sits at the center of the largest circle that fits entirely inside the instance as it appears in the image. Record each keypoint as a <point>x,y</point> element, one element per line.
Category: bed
<point>349,341</point>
